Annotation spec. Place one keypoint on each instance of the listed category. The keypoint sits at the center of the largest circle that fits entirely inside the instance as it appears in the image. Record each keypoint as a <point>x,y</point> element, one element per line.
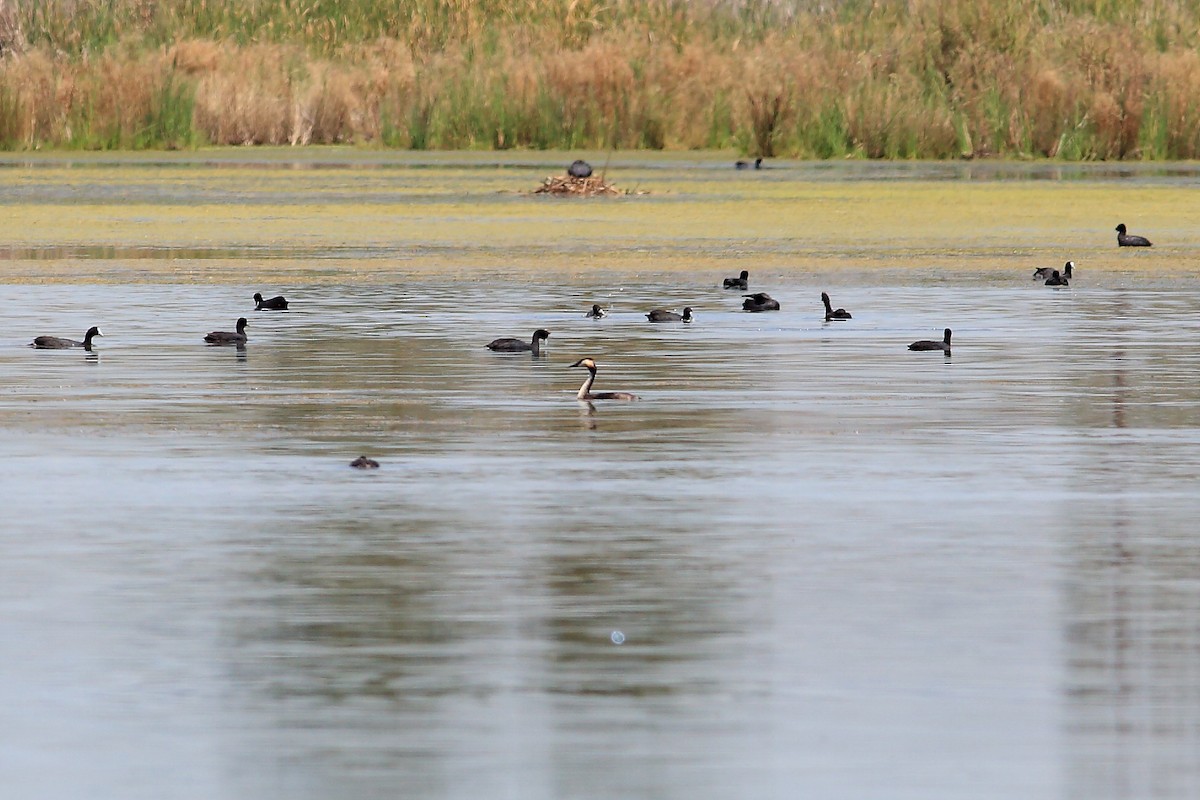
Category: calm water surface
<point>837,568</point>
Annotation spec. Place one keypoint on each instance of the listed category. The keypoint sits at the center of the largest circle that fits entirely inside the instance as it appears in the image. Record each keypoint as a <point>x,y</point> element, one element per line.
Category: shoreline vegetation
<point>1072,80</point>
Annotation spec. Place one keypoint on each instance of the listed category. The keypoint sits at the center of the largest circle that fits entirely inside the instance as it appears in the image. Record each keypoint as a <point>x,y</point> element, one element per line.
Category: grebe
<point>580,169</point>
<point>659,315</point>
<point>1043,273</point>
<point>597,312</point>
<point>362,462</point>
<point>273,304</point>
<point>740,282</point>
<point>585,391</point>
<point>225,337</point>
<point>520,346</point>
<point>55,343</point>
<point>830,312</point>
<point>759,301</point>
<point>1056,279</point>
<point>926,344</point>
<point>1125,240</point>
<point>739,164</point>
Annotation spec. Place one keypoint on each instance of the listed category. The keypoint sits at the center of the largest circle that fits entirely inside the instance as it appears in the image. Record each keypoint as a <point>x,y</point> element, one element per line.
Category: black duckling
<point>1125,240</point>
<point>831,312</point>
<point>272,304</point>
<point>585,391</point>
<point>580,169</point>
<point>739,164</point>
<point>362,462</point>
<point>520,345</point>
<point>661,315</point>
<point>740,282</point>
<point>926,344</point>
<point>225,337</point>
<point>759,301</point>
<point>1056,279</point>
<point>1043,273</point>
<point>55,343</point>
<point>597,312</point>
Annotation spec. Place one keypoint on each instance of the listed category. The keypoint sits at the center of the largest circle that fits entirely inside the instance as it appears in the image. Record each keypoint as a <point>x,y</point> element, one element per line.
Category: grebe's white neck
<point>585,391</point>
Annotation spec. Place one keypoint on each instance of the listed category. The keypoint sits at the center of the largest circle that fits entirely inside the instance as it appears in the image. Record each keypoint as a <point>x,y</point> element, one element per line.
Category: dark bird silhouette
<point>362,462</point>
<point>580,169</point>
<point>520,345</point>
<point>661,315</point>
<point>585,391</point>
<point>225,337</point>
<point>740,282</point>
<point>597,312</point>
<point>926,344</point>
<point>759,301</point>
<point>1125,240</point>
<point>1056,279</point>
<point>271,304</point>
<point>831,312</point>
<point>56,343</point>
<point>739,164</point>
<point>1043,273</point>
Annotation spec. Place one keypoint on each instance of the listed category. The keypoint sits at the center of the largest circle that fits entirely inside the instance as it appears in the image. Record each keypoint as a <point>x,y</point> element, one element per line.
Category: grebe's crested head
<point>586,363</point>
<point>1121,228</point>
<point>541,333</point>
<point>93,331</point>
<point>258,297</point>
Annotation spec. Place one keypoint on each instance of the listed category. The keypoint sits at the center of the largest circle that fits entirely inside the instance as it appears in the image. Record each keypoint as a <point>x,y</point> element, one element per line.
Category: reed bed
<point>920,79</point>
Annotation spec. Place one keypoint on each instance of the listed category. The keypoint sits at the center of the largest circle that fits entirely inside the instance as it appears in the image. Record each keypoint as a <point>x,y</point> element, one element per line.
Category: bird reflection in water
<point>587,415</point>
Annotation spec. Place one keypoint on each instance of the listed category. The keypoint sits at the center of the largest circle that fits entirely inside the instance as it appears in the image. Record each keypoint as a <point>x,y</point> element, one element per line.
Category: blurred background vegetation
<point>1074,80</point>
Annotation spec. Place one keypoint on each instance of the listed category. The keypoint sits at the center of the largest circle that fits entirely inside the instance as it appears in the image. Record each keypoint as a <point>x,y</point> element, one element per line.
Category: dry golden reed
<point>916,79</point>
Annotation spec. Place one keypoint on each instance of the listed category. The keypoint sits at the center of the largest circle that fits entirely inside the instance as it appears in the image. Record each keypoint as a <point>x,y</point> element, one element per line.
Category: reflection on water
<point>837,565</point>
<point>1134,629</point>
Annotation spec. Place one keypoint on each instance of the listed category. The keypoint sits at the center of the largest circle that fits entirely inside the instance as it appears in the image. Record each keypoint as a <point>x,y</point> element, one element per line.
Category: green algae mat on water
<point>343,215</point>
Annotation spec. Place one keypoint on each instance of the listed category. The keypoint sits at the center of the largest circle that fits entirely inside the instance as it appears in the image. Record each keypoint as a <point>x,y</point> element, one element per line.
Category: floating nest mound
<point>566,185</point>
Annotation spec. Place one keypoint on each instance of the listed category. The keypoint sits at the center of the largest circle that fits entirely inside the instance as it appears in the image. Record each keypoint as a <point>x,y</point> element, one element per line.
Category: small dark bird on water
<point>580,169</point>
<point>1125,240</point>
<point>1056,279</point>
<point>742,281</point>
<point>739,164</point>
<point>225,337</point>
<point>271,304</point>
<point>831,312</point>
<point>56,343</point>
<point>509,345</point>
<point>597,312</point>
<point>1043,273</point>
<point>759,301</point>
<point>926,344</point>
<point>662,315</point>
<point>362,462</point>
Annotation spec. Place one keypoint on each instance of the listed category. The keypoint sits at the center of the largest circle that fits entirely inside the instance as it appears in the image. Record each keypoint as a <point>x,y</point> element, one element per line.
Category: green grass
<point>1068,79</point>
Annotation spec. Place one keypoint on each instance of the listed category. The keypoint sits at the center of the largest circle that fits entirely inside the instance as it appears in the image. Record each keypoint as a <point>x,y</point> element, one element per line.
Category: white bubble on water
<point>617,637</point>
